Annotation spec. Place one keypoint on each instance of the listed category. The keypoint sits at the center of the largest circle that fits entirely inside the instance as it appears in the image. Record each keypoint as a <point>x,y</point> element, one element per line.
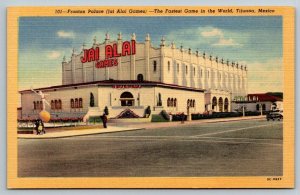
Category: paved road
<point>240,148</point>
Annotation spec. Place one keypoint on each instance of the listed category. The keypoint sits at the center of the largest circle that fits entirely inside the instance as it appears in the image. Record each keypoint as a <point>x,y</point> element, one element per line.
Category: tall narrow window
<point>34,105</point>
<point>177,68</point>
<point>171,102</point>
<point>169,65</point>
<point>154,65</point>
<point>168,102</point>
<point>80,102</point>
<point>186,69</point>
<point>56,104</point>
<point>52,105</point>
<point>194,71</point>
<point>76,103</point>
<point>59,104</point>
<point>175,102</point>
<point>72,103</point>
<point>201,72</point>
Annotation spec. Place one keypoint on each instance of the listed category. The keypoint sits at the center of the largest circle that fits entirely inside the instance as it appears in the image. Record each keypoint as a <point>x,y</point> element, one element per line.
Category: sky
<point>252,41</point>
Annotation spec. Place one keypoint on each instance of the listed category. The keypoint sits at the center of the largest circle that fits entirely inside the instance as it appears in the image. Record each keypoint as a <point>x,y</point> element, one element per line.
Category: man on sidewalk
<point>104,120</point>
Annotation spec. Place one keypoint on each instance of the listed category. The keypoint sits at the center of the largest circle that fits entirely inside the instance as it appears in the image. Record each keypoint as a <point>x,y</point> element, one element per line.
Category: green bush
<point>165,115</point>
<point>95,119</point>
<point>158,118</point>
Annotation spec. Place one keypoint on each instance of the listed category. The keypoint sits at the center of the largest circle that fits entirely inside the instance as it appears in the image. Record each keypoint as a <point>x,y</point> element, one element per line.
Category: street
<point>236,148</point>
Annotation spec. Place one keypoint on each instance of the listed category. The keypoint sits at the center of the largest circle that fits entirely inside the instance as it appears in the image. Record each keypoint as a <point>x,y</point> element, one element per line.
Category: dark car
<point>274,116</point>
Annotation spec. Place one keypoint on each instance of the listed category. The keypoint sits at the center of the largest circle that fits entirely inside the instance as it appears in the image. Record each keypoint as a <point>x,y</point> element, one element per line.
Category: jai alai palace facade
<point>129,76</point>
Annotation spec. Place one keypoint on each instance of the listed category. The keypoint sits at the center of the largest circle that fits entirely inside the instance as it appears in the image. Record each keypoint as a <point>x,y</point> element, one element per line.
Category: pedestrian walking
<point>104,120</point>
<point>182,118</point>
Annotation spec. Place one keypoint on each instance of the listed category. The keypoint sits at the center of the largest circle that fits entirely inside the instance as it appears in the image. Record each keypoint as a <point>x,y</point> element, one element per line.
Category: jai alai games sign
<point>111,54</point>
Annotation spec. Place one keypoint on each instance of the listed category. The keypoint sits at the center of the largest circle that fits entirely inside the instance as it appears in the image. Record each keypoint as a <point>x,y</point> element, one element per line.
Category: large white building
<point>128,76</point>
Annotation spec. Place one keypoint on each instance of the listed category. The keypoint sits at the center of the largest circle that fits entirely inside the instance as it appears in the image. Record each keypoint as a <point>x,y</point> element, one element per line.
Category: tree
<point>92,100</point>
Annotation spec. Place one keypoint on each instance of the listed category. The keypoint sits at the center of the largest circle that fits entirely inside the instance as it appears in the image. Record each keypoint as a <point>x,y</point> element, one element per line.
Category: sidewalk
<point>187,123</point>
<point>71,133</point>
<point>130,127</point>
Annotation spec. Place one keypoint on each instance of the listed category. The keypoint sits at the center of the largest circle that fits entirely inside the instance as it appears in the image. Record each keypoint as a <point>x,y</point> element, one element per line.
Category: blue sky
<point>255,41</point>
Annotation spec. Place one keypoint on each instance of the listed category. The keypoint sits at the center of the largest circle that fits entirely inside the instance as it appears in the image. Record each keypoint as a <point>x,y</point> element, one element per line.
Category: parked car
<point>274,116</point>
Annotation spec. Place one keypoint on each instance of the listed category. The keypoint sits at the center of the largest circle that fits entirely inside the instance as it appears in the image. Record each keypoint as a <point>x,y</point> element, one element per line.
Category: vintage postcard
<point>150,97</point>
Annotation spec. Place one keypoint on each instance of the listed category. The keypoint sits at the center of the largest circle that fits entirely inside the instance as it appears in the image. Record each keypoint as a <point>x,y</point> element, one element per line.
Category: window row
<point>191,103</point>
<point>262,106</point>
<point>56,104</point>
<point>76,103</point>
<point>171,102</point>
<point>37,105</point>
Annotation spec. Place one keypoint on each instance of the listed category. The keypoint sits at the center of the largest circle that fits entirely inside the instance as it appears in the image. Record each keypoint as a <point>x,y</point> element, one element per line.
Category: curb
<point>75,135</point>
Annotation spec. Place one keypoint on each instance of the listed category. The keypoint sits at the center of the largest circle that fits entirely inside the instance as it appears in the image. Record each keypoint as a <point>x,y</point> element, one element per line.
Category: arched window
<point>194,104</point>
<point>154,65</point>
<point>194,71</point>
<point>257,107</point>
<point>186,69</point>
<point>72,103</point>
<point>175,102</point>
<point>168,102</point>
<point>34,105</point>
<point>52,105</point>
<point>140,77</point>
<point>214,103</point>
<point>59,104</point>
<point>127,99</point>
<point>226,105</point>
<point>80,103</point>
<point>56,104</point>
<point>220,104</point>
<point>264,107</point>
<point>37,105</point>
<point>168,65</point>
<point>188,103</point>
<point>171,102</point>
<point>201,72</point>
<point>76,102</point>
<point>41,105</point>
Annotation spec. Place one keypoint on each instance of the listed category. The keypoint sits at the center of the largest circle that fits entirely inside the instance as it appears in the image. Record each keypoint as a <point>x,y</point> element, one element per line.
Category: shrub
<point>165,115</point>
<point>179,117</point>
<point>158,118</point>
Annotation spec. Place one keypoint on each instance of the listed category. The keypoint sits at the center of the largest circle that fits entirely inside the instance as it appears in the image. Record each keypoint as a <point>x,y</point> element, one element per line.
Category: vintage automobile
<point>274,116</point>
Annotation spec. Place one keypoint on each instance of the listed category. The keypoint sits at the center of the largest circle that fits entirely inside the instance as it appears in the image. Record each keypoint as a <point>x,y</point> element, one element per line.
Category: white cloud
<point>221,39</point>
<point>265,76</point>
<point>226,42</point>
<point>65,34</point>
<point>212,33</point>
<point>53,55</point>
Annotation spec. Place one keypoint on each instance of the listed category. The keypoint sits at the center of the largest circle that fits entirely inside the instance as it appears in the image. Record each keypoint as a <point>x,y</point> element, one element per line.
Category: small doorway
<point>127,99</point>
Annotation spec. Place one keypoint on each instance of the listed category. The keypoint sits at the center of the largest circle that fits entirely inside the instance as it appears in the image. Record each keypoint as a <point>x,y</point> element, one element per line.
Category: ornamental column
<point>63,70</point>
<point>95,70</point>
<point>132,62</point>
<point>147,57</point>
<point>106,68</point>
<point>162,57</point>
<point>119,67</point>
<point>73,60</point>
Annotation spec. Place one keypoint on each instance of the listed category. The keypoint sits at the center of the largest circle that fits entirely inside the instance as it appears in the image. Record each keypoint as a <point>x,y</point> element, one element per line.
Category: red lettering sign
<point>111,51</point>
<point>126,86</point>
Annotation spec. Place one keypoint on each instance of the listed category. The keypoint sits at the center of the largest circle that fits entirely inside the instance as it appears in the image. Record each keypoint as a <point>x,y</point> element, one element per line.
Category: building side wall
<point>65,95</point>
